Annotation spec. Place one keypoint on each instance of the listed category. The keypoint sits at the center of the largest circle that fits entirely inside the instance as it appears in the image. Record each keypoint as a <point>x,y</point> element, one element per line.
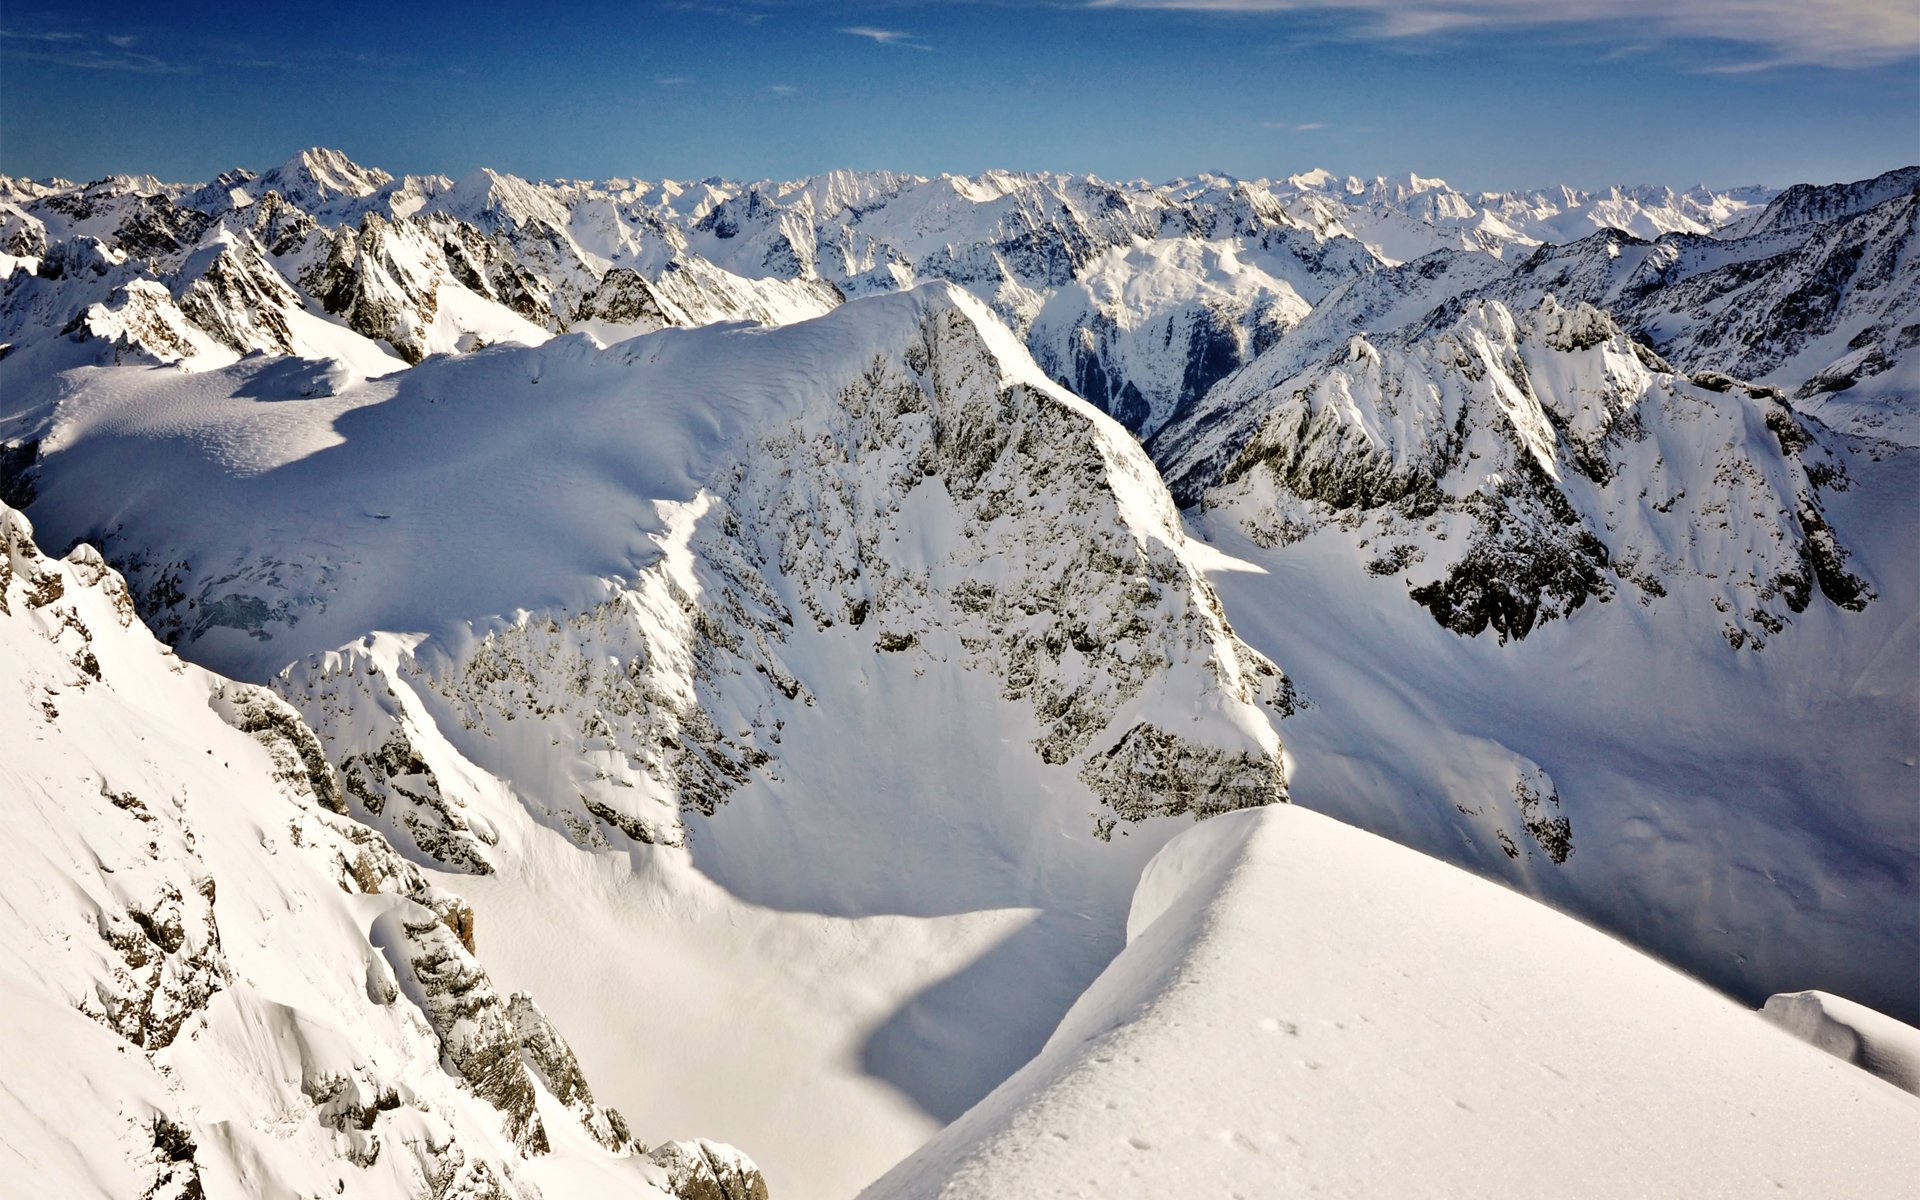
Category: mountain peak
<point>325,174</point>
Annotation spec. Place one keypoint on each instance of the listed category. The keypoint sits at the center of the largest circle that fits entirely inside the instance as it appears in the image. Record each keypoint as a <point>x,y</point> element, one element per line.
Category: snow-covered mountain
<point>1640,544</point>
<point>681,601</point>
<point>1139,296</point>
<point>217,982</point>
<point>757,604</point>
<point>896,476</point>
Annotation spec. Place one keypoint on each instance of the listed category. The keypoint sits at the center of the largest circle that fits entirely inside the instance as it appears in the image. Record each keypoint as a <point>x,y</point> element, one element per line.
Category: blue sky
<point>1487,93</point>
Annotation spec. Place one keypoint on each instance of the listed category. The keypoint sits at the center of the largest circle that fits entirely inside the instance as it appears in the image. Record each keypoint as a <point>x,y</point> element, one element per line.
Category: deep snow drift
<point>1304,1007</point>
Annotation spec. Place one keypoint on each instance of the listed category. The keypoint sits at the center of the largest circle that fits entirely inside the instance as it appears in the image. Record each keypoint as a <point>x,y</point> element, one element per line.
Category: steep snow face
<point>620,546</point>
<point>219,984</point>
<point>1303,1006</point>
<point>860,619</point>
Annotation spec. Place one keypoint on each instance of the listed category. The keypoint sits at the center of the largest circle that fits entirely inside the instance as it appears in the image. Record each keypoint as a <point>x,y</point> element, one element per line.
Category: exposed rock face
<point>178,858</point>
<point>1056,569</point>
<point>240,301</point>
<point>624,297</point>
<point>470,1017</point>
<point>380,295</point>
<point>1808,203</point>
<point>547,1053</point>
<point>1151,772</point>
<point>1516,466</point>
<point>703,1170</point>
<point>300,764</point>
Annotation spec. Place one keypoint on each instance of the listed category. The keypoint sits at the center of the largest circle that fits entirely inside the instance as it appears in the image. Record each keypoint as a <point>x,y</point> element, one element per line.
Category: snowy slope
<point>675,607</point>
<point>218,984</point>
<point>794,677</point>
<point>1303,1007</point>
<point>1700,603</point>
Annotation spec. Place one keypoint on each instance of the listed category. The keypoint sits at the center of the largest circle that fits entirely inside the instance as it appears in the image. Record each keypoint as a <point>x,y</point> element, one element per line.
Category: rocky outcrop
<point>625,298</point>
<point>1515,466</point>
<point>192,942</point>
<point>1050,563</point>
<point>703,1170</point>
<point>379,295</point>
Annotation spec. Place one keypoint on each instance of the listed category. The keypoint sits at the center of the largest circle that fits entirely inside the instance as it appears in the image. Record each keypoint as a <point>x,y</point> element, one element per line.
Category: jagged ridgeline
<point>634,569</point>
<point>1514,466</point>
<point>749,544</point>
<point>1139,297</point>
<point>236,946</point>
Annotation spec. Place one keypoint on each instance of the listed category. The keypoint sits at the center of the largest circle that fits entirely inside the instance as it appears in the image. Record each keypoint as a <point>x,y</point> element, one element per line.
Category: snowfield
<point>1306,1008</point>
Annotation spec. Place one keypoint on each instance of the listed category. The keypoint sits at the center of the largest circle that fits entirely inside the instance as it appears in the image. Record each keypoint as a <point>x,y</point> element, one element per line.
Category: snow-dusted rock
<point>703,1170</point>
<point>1515,466</point>
<point>916,482</point>
<point>215,984</point>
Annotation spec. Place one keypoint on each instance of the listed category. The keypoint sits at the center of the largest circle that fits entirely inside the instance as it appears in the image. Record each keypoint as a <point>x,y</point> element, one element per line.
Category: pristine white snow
<point>1306,1008</point>
<point>886,918</point>
<point>1750,814</point>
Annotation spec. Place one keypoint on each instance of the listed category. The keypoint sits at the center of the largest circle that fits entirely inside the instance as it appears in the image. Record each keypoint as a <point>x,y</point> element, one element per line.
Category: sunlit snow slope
<point>718,660</point>
<point>1304,1008</point>
<point>216,983</point>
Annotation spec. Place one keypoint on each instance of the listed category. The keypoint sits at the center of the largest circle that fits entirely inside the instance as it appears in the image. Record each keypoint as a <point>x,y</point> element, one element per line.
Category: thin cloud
<point>1829,33</point>
<point>121,41</point>
<point>784,89</point>
<point>673,80</point>
<point>1294,126</point>
<point>887,37</point>
<point>63,49</point>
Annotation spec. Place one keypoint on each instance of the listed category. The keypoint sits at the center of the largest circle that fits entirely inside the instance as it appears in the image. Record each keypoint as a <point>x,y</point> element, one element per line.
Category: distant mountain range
<point>783,619</point>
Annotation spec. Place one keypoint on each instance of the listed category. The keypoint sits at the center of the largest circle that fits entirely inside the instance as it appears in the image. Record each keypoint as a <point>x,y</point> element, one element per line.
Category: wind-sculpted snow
<point>217,985</point>
<point>611,555</point>
<point>1305,1007</point>
<point>1852,1032</point>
